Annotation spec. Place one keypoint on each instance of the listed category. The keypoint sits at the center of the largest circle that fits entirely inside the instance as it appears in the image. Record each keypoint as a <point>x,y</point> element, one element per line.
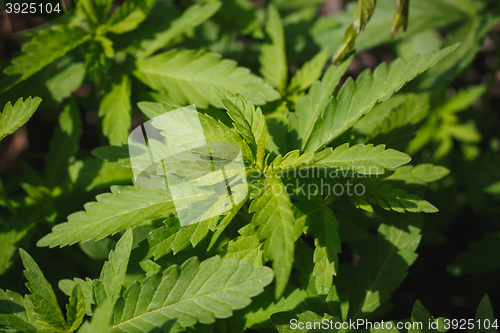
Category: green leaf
<point>64,144</point>
<point>12,312</point>
<point>421,174</point>
<point>41,305</point>
<point>225,222</point>
<point>172,238</point>
<point>128,16</point>
<point>246,248</point>
<point>475,259</point>
<point>272,58</point>
<point>75,309</point>
<point>16,116</point>
<point>248,120</point>
<point>95,57</point>
<point>65,81</point>
<point>103,8</point>
<point>14,231</point>
<point>186,76</point>
<point>125,207</point>
<point>463,99</point>
<point>118,154</point>
<point>114,270</point>
<point>101,320</point>
<point>355,99</point>
<point>420,318</point>
<point>195,292</point>
<point>311,106</point>
<point>389,198</point>
<point>322,225</point>
<point>363,159</point>
<point>164,32</point>
<point>309,73</point>
<point>67,287</point>
<point>395,121</point>
<point>274,219</point>
<point>484,313</point>
<point>295,298</point>
<point>45,47</point>
<point>115,109</point>
<point>383,264</point>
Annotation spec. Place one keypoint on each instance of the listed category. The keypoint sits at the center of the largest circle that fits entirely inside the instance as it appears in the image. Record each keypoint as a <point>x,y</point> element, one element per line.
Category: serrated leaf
<point>115,109</point>
<point>195,292</point>
<point>274,219</point>
<point>75,309</point>
<point>356,99</point>
<point>389,198</point>
<point>272,58</point>
<point>248,120</point>
<point>123,208</point>
<point>67,287</point>
<point>173,238</point>
<point>164,32</point>
<point>421,174</point>
<point>309,73</point>
<point>114,270</point>
<point>247,249</point>
<point>322,225</point>
<point>311,106</point>
<point>12,312</point>
<point>128,16</point>
<point>363,159</point>
<point>383,264</point>
<point>45,47</point>
<point>42,308</point>
<point>16,116</point>
<point>187,76</point>
<point>64,144</point>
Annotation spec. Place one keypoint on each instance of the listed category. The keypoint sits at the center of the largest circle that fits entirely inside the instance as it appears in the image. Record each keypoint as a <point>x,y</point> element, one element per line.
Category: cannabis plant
<point>319,226</point>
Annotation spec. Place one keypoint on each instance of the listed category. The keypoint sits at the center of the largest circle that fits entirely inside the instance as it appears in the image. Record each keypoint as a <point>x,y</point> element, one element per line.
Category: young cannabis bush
<point>332,212</point>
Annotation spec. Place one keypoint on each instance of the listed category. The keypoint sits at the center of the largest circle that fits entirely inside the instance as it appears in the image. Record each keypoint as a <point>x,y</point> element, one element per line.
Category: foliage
<point>352,173</point>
